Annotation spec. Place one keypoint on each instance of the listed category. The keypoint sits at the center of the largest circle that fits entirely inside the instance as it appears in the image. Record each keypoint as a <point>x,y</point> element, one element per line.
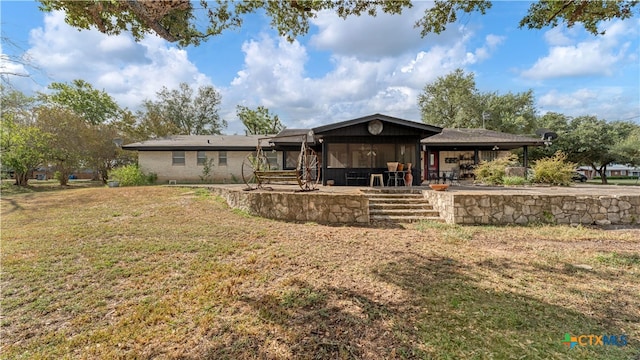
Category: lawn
<point>615,182</point>
<point>158,272</point>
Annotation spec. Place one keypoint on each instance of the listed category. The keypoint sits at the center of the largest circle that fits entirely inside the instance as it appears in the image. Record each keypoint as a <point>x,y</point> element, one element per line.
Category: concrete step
<point>403,212</point>
<point>412,205</point>
<point>388,200</point>
<point>391,191</point>
<point>405,219</point>
<point>399,205</point>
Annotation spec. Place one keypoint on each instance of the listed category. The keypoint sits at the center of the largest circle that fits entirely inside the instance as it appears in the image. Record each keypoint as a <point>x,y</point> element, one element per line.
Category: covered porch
<point>354,150</point>
<point>454,153</point>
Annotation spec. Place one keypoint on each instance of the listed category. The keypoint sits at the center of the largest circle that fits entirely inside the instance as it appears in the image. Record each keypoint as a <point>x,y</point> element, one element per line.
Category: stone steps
<point>399,205</point>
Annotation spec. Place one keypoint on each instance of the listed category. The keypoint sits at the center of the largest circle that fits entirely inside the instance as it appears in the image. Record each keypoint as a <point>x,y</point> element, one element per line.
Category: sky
<point>342,69</point>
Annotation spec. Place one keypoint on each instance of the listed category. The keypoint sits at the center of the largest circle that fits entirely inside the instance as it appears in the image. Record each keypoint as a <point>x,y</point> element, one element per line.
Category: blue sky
<point>341,69</point>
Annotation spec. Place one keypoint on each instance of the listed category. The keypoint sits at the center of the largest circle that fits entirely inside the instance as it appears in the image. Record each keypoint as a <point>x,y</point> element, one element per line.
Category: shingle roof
<point>200,142</point>
<point>479,137</point>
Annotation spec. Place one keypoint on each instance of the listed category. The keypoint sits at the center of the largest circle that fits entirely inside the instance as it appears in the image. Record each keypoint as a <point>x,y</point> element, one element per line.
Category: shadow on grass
<point>443,314</point>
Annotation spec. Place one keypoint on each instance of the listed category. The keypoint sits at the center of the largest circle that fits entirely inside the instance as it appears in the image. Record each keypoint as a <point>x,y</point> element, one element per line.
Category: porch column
<point>476,157</point>
<point>324,162</point>
<point>525,156</point>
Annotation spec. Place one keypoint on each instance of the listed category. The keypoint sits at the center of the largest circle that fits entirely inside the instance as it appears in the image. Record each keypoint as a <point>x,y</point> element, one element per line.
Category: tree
<point>586,12</point>
<point>100,151</point>
<point>179,111</point>
<point>629,148</point>
<point>95,106</point>
<point>177,21</point>
<point>259,121</point>
<point>23,147</point>
<point>14,65</point>
<point>510,113</point>
<point>453,101</point>
<point>19,105</point>
<point>587,140</point>
<point>67,141</point>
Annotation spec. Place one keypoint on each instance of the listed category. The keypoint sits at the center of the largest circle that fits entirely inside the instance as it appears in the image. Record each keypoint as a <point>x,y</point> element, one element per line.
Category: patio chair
<point>454,178</point>
<point>433,176</point>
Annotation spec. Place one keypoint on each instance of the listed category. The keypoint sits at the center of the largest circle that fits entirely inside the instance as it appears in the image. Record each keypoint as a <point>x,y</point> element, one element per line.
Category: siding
<point>160,163</point>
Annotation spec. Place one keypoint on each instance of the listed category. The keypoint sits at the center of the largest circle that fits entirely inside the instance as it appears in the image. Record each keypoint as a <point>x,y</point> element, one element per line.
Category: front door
<point>430,163</point>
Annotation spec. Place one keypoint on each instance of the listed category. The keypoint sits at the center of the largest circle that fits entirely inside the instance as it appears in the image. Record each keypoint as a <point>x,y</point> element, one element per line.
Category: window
<point>488,155</point>
<point>291,161</point>
<point>272,158</point>
<point>222,158</point>
<point>337,156</point>
<point>202,157</point>
<point>178,158</point>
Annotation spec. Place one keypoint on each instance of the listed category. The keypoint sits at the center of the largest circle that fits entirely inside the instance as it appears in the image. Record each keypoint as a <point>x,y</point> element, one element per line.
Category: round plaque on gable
<point>375,127</point>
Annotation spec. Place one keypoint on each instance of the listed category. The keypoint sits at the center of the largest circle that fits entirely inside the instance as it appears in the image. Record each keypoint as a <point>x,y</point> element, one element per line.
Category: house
<point>182,157</point>
<point>612,170</point>
<point>351,149</point>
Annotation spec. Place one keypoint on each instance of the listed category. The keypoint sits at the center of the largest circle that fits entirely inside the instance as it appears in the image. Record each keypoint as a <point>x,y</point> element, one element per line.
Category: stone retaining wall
<point>483,208</point>
<point>297,206</point>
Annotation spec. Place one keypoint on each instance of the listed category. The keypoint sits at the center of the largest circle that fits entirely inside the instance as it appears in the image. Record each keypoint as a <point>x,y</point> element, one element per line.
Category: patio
<point>460,204</point>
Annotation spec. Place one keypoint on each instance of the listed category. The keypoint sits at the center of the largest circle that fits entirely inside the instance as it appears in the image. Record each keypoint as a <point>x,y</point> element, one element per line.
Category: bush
<point>492,172</point>
<point>131,175</point>
<point>555,170</point>
<point>514,180</point>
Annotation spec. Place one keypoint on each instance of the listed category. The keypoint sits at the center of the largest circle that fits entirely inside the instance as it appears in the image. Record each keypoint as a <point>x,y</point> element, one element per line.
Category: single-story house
<point>612,170</point>
<point>183,157</point>
<point>349,150</point>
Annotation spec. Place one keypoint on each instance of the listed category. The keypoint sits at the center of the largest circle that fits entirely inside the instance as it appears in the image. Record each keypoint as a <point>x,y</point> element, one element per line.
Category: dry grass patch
<point>174,273</point>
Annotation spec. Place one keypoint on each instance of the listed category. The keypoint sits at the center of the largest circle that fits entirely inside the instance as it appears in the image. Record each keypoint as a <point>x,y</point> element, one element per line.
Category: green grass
<point>615,182</point>
<point>165,272</point>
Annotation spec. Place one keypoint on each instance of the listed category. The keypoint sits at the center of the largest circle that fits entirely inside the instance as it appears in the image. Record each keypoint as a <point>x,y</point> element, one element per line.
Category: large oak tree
<point>177,20</point>
<point>454,101</point>
<point>183,111</point>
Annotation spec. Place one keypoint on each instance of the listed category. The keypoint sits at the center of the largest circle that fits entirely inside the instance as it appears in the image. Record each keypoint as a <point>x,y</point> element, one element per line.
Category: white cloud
<point>130,72</point>
<point>385,35</point>
<point>597,56</point>
<point>360,81</point>
<point>274,76</point>
<point>607,102</point>
<point>559,36</point>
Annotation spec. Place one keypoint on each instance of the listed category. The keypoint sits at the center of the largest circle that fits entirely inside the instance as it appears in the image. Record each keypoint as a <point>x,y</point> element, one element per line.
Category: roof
<point>421,127</point>
<point>200,142</point>
<point>450,137</point>
<point>293,136</point>
<point>613,167</point>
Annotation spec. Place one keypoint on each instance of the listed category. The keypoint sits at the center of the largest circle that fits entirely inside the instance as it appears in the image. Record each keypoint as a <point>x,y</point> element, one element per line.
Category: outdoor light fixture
<point>495,148</point>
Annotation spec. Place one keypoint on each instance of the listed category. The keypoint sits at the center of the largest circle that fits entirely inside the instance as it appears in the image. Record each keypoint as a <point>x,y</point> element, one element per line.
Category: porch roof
<point>467,138</point>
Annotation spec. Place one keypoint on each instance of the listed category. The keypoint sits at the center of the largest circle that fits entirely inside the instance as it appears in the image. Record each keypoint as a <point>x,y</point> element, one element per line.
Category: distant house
<point>612,170</point>
<point>357,147</point>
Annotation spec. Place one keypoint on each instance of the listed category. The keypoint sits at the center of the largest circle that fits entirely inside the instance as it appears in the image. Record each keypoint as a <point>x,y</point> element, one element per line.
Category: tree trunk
<point>22,179</point>
<point>603,175</point>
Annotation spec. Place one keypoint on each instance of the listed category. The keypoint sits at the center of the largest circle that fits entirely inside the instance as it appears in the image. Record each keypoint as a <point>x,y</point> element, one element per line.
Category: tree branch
<point>141,11</point>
